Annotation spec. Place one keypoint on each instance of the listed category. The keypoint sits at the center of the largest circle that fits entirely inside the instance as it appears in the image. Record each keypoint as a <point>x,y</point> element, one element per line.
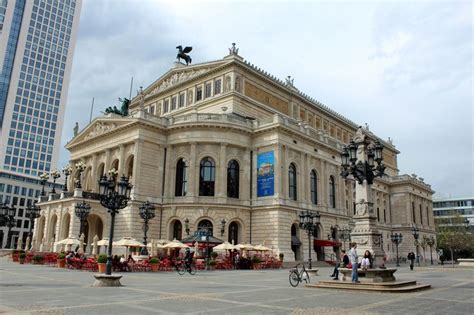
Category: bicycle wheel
<point>192,270</point>
<point>294,278</point>
<point>305,276</point>
<point>180,269</point>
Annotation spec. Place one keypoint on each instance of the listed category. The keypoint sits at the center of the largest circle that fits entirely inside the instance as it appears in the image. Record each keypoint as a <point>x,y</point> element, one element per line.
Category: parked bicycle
<point>298,275</point>
<point>182,268</point>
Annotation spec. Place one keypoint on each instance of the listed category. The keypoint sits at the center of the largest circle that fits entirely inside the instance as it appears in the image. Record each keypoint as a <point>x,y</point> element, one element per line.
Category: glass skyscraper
<point>37,39</point>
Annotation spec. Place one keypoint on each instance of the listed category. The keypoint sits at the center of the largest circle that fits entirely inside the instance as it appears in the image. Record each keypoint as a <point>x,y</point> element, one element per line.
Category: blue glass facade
<point>32,133</point>
<point>10,55</point>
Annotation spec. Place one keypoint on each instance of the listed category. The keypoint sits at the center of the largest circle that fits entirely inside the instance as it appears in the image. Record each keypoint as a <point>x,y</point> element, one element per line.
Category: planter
<point>61,263</point>
<point>15,257</point>
<point>154,267</point>
<point>21,260</point>
<point>102,267</point>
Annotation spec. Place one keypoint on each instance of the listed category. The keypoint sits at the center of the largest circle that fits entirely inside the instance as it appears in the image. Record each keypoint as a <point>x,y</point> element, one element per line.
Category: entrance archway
<point>206,225</point>
<point>233,234</point>
<point>65,226</point>
<point>319,249</point>
<point>176,230</point>
<point>295,242</point>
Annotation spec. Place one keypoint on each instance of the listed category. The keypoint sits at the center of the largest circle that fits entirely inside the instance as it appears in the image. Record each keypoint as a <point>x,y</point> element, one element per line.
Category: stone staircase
<point>392,286</point>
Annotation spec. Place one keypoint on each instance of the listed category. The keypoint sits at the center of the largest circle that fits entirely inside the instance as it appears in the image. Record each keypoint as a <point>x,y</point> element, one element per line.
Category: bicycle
<point>182,268</point>
<point>296,276</point>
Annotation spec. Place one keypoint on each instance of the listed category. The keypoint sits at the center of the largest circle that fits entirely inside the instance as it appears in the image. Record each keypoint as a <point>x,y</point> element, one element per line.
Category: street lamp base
<point>102,280</point>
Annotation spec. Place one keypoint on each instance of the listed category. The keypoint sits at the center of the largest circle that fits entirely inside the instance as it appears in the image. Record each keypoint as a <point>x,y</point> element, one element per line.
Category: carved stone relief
<point>177,78</point>
<point>99,129</point>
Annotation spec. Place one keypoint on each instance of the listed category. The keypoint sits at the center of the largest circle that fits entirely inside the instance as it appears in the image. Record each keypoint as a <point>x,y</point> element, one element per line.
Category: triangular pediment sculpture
<point>99,127</point>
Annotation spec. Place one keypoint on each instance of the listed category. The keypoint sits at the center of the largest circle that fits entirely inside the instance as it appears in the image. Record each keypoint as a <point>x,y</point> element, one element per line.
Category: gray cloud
<point>406,69</point>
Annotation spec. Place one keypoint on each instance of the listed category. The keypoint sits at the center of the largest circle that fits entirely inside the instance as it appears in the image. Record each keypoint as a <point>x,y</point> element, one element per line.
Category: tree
<point>453,236</point>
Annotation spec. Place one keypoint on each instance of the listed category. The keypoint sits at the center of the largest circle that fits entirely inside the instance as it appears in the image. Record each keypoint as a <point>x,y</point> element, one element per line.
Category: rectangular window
<point>217,86</point>
<point>421,216</point>
<point>208,90</point>
<point>166,105</point>
<point>173,103</point>
<point>198,93</point>
<point>181,100</point>
<point>413,211</point>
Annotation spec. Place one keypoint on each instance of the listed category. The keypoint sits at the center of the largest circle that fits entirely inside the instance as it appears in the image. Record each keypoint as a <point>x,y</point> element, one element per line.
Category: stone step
<point>410,286</point>
<point>390,284</point>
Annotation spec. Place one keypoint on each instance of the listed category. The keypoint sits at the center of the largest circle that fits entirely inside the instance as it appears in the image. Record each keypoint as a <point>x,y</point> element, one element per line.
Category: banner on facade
<point>265,174</point>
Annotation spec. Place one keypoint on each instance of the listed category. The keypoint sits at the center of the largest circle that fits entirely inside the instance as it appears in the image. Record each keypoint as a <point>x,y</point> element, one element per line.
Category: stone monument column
<point>365,232</point>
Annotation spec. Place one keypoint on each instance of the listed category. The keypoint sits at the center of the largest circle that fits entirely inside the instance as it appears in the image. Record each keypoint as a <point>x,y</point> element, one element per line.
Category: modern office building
<point>225,146</point>
<point>37,39</point>
<point>449,207</point>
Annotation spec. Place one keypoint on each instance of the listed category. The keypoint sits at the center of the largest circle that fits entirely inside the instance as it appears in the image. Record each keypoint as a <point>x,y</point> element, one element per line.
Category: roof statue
<point>182,54</point>
<point>234,50</point>
<point>289,80</point>
<point>123,111</point>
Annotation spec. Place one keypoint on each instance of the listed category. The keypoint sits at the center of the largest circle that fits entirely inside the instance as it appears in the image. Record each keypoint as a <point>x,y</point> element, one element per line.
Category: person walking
<point>355,262</point>
<point>411,257</point>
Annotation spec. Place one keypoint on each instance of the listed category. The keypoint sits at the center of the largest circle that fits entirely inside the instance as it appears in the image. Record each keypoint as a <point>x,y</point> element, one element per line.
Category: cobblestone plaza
<point>32,289</point>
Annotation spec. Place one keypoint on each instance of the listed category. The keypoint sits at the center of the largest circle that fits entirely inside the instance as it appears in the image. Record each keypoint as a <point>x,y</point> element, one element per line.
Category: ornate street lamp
<point>147,212</point>
<point>8,215</point>
<point>82,211</point>
<point>67,170</point>
<point>32,212</point>
<point>397,239</point>
<point>80,167</point>
<point>308,222</point>
<point>431,241</point>
<point>186,226</point>
<point>55,174</point>
<point>113,196</point>
<point>43,177</point>
<point>415,231</point>
<point>366,170</point>
<point>222,227</point>
<point>345,235</point>
<point>204,233</point>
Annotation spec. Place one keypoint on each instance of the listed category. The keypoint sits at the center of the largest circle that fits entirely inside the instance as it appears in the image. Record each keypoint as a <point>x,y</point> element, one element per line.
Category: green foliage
<point>22,255</point>
<point>61,256</point>
<point>452,235</point>
<point>154,260</point>
<point>102,259</point>
<point>214,255</point>
<point>212,263</point>
<point>256,260</point>
<point>38,258</point>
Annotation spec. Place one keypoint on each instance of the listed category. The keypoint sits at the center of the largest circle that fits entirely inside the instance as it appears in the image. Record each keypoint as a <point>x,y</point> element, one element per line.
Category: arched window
<point>207,176</point>
<point>177,230</point>
<point>206,225</point>
<point>233,232</point>
<point>129,170</point>
<point>292,181</point>
<point>332,192</point>
<point>181,178</point>
<point>233,179</point>
<point>314,187</point>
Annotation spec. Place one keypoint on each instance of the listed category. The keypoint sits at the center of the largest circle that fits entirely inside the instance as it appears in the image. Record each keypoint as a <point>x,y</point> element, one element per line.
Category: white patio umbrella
<point>127,242</point>
<point>103,242</point>
<point>244,246</point>
<point>69,241</point>
<point>175,244</point>
<point>224,246</point>
<point>262,248</point>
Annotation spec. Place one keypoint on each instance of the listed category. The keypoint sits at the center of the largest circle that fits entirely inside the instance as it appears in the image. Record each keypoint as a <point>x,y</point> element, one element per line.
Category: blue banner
<point>265,174</point>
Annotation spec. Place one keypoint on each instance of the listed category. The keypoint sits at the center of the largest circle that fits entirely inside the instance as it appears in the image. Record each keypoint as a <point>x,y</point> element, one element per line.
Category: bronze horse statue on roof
<point>182,54</point>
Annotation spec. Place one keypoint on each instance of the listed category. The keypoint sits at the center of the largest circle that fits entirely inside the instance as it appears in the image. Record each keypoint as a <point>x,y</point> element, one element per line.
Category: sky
<point>405,68</point>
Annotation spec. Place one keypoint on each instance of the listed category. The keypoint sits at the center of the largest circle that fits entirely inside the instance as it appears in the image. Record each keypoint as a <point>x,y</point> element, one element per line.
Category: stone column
<point>169,184</point>
<point>108,157</point>
<point>221,183</point>
<point>121,168</point>
<point>137,149</point>
<point>284,172</point>
<point>94,175</point>
<point>193,178</point>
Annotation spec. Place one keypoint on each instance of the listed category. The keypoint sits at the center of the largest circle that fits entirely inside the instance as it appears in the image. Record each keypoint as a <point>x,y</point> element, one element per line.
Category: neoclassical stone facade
<point>224,140</point>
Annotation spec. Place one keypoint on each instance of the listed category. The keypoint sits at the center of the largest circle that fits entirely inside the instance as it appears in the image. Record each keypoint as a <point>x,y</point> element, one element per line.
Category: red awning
<point>324,243</point>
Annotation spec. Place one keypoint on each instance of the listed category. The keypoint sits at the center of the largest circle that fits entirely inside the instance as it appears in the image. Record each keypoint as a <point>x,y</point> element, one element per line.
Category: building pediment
<point>180,74</point>
<point>98,128</point>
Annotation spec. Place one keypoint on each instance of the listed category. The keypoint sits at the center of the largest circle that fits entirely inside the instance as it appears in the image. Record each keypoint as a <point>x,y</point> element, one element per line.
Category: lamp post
<point>397,239</point>
<point>67,170</point>
<point>431,241</point>
<point>362,170</point>
<point>82,210</point>
<point>147,212</point>
<point>415,231</point>
<point>8,215</point>
<point>55,174</point>
<point>203,233</point>
<point>186,226</point>
<point>222,227</point>
<point>113,196</point>
<point>308,222</point>
<point>32,212</point>
<point>345,235</point>
<point>43,177</point>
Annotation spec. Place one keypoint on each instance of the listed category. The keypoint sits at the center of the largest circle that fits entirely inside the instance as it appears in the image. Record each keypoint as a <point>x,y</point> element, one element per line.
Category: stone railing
<point>90,195</point>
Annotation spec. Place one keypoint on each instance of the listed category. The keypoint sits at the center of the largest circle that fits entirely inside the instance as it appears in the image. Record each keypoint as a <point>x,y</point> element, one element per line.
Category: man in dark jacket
<point>411,257</point>
<point>344,261</point>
